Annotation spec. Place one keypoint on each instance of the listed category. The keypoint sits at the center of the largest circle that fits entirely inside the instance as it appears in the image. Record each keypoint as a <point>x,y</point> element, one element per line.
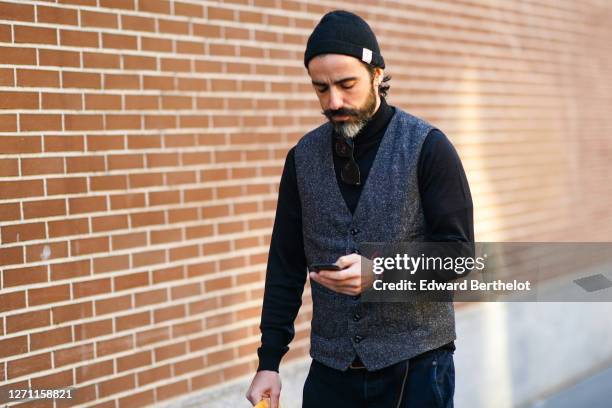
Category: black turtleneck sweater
<point>446,203</point>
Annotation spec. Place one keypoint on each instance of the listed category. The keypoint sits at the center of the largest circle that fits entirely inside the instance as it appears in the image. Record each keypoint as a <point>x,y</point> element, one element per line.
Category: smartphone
<point>320,267</point>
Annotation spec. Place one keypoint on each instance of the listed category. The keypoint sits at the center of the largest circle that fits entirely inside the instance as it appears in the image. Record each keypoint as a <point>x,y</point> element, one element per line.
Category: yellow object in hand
<point>262,404</point>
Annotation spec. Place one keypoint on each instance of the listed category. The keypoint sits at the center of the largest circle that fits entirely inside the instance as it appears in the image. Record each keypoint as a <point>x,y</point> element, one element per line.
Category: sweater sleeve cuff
<point>270,358</point>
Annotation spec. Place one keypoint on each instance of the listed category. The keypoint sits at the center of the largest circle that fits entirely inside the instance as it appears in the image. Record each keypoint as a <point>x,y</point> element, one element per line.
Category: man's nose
<point>335,99</point>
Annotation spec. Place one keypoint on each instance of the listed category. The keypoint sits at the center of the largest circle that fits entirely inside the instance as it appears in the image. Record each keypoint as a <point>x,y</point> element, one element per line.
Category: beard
<point>358,118</point>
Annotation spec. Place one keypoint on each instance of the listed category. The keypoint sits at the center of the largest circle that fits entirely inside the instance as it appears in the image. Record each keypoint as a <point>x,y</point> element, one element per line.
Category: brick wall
<point>142,142</point>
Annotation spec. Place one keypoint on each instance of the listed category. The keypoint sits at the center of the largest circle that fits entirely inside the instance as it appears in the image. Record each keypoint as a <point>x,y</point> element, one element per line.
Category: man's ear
<point>380,74</point>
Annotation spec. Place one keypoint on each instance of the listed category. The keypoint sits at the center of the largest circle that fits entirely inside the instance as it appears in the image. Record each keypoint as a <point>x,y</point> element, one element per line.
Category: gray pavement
<point>593,392</point>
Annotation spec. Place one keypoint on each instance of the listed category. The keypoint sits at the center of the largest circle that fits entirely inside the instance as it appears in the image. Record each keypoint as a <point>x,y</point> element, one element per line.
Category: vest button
<point>354,231</point>
<point>356,251</point>
<point>356,297</point>
<point>356,317</point>
<point>357,339</point>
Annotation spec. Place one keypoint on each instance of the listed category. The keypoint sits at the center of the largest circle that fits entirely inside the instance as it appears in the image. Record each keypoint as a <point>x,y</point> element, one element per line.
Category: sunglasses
<point>350,171</point>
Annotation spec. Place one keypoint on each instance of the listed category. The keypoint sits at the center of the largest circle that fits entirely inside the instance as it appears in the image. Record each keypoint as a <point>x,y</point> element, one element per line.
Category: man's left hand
<point>349,280</point>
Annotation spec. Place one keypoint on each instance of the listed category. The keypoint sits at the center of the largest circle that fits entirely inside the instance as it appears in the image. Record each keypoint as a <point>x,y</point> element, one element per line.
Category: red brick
<point>72,355</point>
<point>139,62</point>
<point>115,345</point>
<point>36,35</point>
<point>69,270</point>
<point>203,342</point>
<point>93,370</point>
<point>17,56</point>
<point>78,38</point>
<point>98,19</point>
<point>44,208</point>
<point>216,13</point>
<point>122,201</point>
<point>120,4</point>
<point>81,80</point>
<point>18,100</point>
<point>152,336</point>
<point>21,12</point>
<point>61,101</point>
<point>172,390</point>
<point>79,205</point>
<point>58,58</point>
<point>131,281</point>
<point>23,232</point>
<point>162,160</point>
<point>50,338</point>
<point>66,185</point>
<point>81,164</point>
<point>119,41</point>
<point>37,122</point>
<point>89,246</point>
<point>150,297</point>
<point>169,313</point>
<point>183,329</point>
<point>24,276</point>
<point>62,228</point>
<point>184,252</point>
<point>8,123</point>
<point>12,301</point>
<point>102,102</point>
<point>173,27</point>
<point>114,304</point>
<point>13,346</point>
<point>189,365</point>
<point>116,385</point>
<point>109,222</point>
<point>83,122</point>
<point>91,288</point>
<point>59,380</point>
<point>11,256</point>
<point>93,329</point>
<point>170,351</point>
<point>155,6</point>
<point>123,122</point>
<point>104,142</point>
<point>141,399</point>
<point>63,143</point>
<point>73,311</point>
<point>130,240</point>
<point>147,218</point>
<point>164,198</point>
<point>6,77</point>
<point>125,161</point>
<point>44,165</point>
<point>137,23</point>
<point>134,360</point>
<point>121,81</point>
<point>27,321</point>
<point>100,60</point>
<point>148,258</point>
<point>156,44</point>
<point>206,380</point>
<point>187,9</point>
<point>132,321</point>
<point>165,236</point>
<point>50,294</point>
<point>154,374</point>
<point>28,365</point>
<point>111,263</point>
<point>56,15</point>
<point>23,144</point>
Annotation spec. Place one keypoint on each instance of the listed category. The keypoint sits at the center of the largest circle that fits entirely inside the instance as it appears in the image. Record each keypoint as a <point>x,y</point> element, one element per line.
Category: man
<point>373,173</point>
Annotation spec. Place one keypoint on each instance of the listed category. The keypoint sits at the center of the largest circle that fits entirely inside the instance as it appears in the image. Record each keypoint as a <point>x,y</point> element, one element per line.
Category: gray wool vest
<point>389,210</point>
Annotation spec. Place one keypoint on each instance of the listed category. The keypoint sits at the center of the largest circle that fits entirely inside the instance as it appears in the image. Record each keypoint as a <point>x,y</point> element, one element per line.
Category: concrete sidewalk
<point>592,392</point>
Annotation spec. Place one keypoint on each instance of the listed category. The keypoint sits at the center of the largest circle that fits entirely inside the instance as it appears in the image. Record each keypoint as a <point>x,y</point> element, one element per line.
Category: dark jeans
<point>429,382</point>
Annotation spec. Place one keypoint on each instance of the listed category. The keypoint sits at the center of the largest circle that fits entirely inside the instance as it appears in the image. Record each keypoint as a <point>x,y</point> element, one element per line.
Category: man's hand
<point>349,280</point>
<point>265,384</point>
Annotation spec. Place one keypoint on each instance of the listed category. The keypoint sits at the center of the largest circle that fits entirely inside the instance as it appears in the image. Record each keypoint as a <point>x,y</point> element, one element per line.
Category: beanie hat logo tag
<point>366,56</point>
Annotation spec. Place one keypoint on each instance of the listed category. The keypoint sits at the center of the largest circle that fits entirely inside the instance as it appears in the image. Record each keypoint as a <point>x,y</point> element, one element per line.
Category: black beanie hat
<point>342,32</point>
